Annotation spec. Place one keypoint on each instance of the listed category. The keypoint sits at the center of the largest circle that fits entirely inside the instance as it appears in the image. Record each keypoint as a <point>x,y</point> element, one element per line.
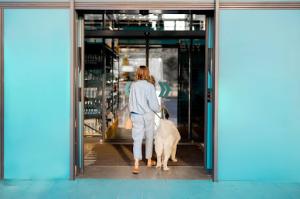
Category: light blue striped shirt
<point>142,98</point>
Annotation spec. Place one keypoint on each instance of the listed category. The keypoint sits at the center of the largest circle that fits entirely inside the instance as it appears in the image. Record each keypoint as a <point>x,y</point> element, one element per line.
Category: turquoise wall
<point>36,93</point>
<point>259,84</point>
<point>209,113</point>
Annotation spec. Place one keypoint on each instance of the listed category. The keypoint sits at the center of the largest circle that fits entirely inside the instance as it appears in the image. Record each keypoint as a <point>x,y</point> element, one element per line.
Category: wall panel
<point>36,93</point>
<point>259,95</point>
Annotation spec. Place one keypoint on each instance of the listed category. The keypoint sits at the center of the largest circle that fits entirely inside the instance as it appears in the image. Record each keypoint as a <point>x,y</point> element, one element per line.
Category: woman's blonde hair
<point>152,80</point>
<point>142,73</point>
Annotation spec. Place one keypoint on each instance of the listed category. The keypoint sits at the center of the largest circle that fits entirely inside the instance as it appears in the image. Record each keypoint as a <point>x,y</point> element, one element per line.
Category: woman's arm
<point>131,98</point>
<point>152,99</point>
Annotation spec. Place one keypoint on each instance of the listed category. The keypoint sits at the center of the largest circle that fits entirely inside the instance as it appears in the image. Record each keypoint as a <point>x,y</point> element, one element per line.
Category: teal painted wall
<point>259,84</point>
<point>209,114</point>
<point>37,93</point>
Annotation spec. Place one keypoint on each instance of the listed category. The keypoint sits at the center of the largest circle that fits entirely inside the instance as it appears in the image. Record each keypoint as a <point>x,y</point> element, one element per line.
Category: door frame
<point>168,6</point>
<point>215,87</point>
<point>1,94</point>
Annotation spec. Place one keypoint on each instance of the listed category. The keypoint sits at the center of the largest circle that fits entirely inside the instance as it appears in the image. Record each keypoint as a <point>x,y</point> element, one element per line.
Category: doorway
<point>113,44</point>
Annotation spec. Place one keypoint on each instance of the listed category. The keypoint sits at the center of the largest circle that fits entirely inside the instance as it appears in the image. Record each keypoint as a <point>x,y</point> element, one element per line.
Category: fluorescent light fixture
<point>169,25</point>
<point>128,69</point>
<point>173,16</point>
<point>153,17</point>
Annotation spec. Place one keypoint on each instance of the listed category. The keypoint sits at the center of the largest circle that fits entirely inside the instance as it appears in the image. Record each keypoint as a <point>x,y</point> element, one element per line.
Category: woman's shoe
<point>151,164</point>
<point>135,170</point>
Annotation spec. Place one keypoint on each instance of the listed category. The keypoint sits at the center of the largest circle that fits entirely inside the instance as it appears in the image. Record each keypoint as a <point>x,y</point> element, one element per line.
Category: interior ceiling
<point>141,17</point>
<point>143,20</point>
<point>119,19</point>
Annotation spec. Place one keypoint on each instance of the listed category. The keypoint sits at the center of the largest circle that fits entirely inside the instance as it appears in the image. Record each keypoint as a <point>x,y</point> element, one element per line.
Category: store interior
<point>172,45</point>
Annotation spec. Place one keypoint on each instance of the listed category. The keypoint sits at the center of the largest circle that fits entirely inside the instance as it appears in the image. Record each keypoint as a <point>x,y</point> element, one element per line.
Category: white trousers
<point>142,127</point>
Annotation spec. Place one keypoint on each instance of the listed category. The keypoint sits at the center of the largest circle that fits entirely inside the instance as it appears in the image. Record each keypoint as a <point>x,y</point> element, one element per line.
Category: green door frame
<point>1,97</point>
<point>215,87</point>
<point>214,177</point>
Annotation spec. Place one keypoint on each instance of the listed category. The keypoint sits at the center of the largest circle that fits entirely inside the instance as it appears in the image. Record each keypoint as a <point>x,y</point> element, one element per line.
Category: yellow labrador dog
<point>166,140</point>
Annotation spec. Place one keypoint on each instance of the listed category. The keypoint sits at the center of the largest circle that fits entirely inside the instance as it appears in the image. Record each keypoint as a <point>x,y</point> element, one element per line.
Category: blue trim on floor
<point>89,188</point>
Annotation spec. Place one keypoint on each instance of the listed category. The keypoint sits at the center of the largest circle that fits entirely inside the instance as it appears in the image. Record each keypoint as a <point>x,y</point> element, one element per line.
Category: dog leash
<point>162,108</point>
<point>157,115</point>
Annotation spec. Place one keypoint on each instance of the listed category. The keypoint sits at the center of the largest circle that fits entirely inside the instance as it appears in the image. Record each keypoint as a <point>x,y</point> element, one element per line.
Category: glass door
<point>178,65</point>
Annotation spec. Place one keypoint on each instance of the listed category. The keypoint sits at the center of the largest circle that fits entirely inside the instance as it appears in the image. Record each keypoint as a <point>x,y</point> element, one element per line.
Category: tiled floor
<point>139,189</point>
<point>124,172</point>
<point>115,160</point>
<point>117,154</point>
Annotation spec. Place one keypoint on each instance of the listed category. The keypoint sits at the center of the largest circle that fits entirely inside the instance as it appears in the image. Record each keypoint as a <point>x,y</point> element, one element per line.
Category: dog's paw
<point>158,166</point>
<point>166,168</point>
<point>174,160</point>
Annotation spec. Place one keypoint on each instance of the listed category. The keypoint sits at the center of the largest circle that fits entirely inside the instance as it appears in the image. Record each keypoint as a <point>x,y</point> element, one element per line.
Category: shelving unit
<point>101,88</point>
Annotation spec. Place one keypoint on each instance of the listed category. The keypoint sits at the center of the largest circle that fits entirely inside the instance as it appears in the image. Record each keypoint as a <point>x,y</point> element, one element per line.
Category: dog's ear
<point>166,113</point>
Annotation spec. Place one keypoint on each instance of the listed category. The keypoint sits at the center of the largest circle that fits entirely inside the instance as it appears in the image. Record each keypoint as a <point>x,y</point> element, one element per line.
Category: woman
<point>142,105</point>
